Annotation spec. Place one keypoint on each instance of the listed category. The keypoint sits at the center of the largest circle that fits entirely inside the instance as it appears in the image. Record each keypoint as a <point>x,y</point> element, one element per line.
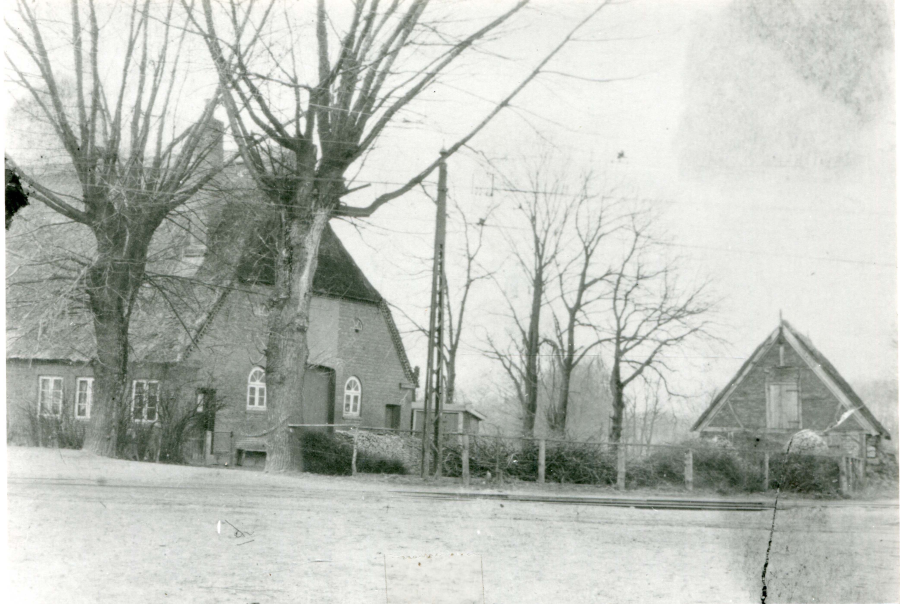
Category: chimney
<point>211,145</point>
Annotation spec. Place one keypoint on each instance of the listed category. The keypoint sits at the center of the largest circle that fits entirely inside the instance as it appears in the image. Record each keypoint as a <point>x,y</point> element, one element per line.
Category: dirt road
<point>83,529</point>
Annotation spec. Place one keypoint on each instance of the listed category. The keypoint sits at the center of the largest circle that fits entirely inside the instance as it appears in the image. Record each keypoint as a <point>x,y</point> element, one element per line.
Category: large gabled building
<point>200,331</point>
<point>785,386</point>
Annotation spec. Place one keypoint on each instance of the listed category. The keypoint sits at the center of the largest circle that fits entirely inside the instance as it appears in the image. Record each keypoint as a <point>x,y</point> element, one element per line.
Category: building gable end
<point>749,365</point>
<point>829,383</point>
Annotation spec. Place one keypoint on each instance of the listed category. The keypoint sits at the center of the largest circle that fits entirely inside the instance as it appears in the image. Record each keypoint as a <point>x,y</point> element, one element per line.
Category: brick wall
<point>819,407</point>
<point>369,355</point>
<point>23,383</point>
<point>234,343</point>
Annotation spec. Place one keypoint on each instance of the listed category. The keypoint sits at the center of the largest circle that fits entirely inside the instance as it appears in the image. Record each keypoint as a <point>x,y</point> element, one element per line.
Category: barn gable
<point>824,400</point>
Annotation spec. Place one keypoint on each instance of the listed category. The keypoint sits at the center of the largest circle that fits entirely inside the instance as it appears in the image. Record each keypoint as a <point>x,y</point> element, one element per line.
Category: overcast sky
<point>765,138</point>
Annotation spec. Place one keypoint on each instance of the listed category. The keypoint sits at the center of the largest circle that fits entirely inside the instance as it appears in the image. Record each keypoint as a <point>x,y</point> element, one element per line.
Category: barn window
<point>51,395</point>
<point>256,389</point>
<point>783,405</point>
<point>352,397</point>
<point>84,396</point>
<point>144,400</point>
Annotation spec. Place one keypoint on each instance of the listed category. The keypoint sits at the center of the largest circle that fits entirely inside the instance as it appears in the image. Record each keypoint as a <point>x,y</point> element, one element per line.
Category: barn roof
<point>815,360</point>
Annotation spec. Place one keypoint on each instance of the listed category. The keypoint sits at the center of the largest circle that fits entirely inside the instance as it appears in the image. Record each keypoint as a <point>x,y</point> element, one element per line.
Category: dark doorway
<point>392,417</point>
<point>318,395</point>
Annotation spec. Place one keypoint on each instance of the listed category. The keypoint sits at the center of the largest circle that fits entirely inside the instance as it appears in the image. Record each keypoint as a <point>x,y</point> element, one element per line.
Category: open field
<point>85,529</point>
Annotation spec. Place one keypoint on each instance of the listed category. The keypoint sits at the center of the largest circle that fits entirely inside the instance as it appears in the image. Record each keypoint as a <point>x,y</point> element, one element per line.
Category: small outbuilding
<point>786,386</point>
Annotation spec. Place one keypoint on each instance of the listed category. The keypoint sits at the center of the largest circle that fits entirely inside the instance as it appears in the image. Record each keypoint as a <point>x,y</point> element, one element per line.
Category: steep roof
<point>48,318</point>
<point>815,360</point>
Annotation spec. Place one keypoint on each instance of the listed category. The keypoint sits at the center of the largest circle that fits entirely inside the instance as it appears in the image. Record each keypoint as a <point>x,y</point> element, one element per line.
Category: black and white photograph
<point>451,301</point>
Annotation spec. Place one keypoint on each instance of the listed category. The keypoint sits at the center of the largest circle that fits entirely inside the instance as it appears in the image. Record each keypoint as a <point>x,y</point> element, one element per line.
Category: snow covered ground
<point>86,529</point>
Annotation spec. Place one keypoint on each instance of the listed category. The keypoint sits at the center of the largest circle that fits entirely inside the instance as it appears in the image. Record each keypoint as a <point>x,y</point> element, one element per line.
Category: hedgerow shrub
<point>578,463</point>
<point>807,474</point>
<point>326,453</point>
<point>661,467</point>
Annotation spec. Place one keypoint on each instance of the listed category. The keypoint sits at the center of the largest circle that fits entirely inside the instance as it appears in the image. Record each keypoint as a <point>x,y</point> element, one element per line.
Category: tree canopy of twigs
<point>300,130</point>
<point>651,311</point>
<point>132,164</point>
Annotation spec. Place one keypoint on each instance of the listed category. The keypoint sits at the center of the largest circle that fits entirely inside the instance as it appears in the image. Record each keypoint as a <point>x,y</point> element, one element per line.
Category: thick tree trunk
<point>108,409</point>
<point>618,401</point>
<point>113,282</point>
<point>287,350</point>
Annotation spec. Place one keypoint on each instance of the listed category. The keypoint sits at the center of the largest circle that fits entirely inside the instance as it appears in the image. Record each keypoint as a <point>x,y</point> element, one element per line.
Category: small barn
<point>785,386</point>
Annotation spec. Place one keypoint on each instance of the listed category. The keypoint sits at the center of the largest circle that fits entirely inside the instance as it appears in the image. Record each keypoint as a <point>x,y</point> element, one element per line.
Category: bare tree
<point>581,279</point>
<point>472,274</point>
<point>131,165</point>
<point>544,205</point>
<point>316,129</point>
<point>650,313</point>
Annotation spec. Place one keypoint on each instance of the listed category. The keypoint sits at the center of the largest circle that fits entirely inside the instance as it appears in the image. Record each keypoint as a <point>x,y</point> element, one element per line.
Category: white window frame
<point>89,396</point>
<point>51,379</point>
<point>145,385</point>
<point>254,389</point>
<point>351,409</point>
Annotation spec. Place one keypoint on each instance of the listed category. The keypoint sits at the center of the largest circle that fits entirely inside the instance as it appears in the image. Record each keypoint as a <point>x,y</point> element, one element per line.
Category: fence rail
<point>500,458</point>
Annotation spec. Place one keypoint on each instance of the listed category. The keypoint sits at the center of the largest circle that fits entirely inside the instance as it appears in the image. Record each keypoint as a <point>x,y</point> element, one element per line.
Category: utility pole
<point>434,369</point>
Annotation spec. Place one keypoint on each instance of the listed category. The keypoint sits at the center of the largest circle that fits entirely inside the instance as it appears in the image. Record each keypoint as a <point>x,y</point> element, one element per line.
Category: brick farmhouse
<point>199,332</point>
<point>785,386</point>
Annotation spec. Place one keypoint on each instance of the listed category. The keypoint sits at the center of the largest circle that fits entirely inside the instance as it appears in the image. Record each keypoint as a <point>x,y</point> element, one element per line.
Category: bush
<point>327,453</point>
<point>725,470</point>
<point>578,463</point>
<point>661,467</point>
<point>808,474</point>
<point>62,431</point>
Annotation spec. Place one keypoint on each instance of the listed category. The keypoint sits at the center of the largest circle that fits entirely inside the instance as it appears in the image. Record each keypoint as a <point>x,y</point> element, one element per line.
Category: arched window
<point>352,397</point>
<point>256,389</point>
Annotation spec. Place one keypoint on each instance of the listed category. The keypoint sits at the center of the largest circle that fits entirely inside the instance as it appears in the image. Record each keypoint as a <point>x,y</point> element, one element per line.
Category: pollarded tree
<point>130,164</point>
<point>368,68</point>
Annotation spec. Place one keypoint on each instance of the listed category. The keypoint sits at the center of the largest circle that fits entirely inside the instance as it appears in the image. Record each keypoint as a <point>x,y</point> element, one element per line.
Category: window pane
<point>262,396</point>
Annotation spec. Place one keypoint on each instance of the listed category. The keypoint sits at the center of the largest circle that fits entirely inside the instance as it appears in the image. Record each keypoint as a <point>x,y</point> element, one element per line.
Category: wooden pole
<point>465,459</point>
<point>620,474</point>
<point>435,324</point>
<point>355,448</point>
<point>689,470</point>
<point>766,471</point>
<point>439,324</point>
<point>542,460</point>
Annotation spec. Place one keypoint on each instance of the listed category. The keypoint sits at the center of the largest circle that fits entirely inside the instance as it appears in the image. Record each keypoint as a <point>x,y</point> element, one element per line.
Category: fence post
<point>542,460</point>
<point>497,464</point>
<point>620,474</point>
<point>689,470</point>
<point>353,461</point>
<point>207,448</point>
<point>766,471</point>
<point>465,459</point>
<point>845,486</point>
